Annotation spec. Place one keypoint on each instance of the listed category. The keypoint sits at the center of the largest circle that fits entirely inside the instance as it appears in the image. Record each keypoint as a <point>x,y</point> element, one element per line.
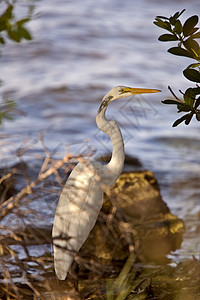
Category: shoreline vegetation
<point>125,256</point>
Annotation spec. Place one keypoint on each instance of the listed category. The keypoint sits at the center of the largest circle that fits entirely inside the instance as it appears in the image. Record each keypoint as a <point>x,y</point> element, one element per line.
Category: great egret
<point>82,196</point>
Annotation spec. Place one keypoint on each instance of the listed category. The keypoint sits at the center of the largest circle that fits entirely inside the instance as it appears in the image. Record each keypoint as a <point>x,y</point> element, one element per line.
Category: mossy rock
<point>134,216</point>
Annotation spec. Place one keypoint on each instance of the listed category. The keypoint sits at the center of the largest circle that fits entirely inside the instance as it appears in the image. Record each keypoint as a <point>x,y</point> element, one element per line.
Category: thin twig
<point>38,294</point>
<point>7,176</point>
<point>13,201</point>
<point>173,93</point>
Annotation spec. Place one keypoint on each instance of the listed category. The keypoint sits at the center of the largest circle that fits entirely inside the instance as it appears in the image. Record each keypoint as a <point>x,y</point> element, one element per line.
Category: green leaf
<point>192,46</point>
<point>189,24</point>
<point>197,103</point>
<point>192,75</point>
<point>23,33</point>
<point>22,21</point>
<point>196,91</point>
<point>198,116</point>
<point>180,51</point>
<point>189,97</point>
<point>163,24</point>
<point>183,107</point>
<point>161,17</point>
<point>178,27</point>
<point>7,108</point>
<point>168,26</point>
<point>2,26</point>
<point>2,41</point>
<point>196,35</point>
<point>13,35</point>
<point>181,12</point>
<point>175,17</point>
<point>6,17</point>
<point>194,30</point>
<point>7,14</point>
<point>188,119</point>
<point>183,118</point>
<point>158,22</point>
<point>169,101</point>
<point>167,38</point>
<point>192,66</point>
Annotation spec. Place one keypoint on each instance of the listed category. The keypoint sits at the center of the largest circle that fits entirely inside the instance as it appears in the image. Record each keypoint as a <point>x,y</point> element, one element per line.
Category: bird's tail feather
<point>62,262</point>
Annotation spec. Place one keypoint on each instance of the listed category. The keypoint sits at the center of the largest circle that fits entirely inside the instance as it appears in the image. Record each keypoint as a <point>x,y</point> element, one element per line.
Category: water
<point>80,50</point>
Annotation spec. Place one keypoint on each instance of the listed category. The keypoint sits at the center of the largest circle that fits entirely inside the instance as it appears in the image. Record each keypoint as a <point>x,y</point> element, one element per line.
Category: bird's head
<point>125,91</point>
<point>122,92</point>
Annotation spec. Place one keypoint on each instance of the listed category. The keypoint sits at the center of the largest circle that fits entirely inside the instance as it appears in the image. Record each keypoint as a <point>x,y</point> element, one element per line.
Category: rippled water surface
<point>80,50</point>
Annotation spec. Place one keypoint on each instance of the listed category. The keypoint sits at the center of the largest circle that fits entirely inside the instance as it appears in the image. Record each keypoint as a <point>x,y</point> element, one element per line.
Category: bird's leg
<point>73,273</point>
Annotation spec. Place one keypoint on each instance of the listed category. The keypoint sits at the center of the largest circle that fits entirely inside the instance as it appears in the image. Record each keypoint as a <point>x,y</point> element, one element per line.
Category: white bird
<point>82,196</point>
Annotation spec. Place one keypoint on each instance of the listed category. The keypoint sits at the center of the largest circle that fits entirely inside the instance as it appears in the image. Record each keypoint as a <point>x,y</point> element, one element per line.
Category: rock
<point>130,161</point>
<point>134,216</point>
<point>138,196</point>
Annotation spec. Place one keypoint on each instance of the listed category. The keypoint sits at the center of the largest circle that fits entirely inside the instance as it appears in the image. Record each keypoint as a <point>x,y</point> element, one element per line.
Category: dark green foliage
<point>15,30</point>
<point>7,108</point>
<point>192,75</point>
<point>186,118</point>
<point>180,51</point>
<point>167,38</point>
<point>186,35</point>
<point>189,26</point>
<point>190,104</point>
<point>169,101</point>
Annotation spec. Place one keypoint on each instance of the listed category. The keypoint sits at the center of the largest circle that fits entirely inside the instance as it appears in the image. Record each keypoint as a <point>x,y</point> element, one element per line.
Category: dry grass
<point>20,219</point>
<point>26,261</point>
<point>27,205</point>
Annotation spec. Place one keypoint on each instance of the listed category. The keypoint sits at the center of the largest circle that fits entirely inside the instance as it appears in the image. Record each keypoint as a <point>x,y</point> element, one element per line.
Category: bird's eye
<point>122,90</point>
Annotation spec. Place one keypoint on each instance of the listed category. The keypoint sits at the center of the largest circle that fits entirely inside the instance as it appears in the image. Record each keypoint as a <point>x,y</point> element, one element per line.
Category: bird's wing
<point>76,214</point>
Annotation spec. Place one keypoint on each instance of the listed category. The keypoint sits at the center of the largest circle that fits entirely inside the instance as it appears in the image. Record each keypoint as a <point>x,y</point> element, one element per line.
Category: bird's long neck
<point>110,127</point>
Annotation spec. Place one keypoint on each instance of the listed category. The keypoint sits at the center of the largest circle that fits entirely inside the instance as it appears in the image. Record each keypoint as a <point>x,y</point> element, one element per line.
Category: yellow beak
<point>138,91</point>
